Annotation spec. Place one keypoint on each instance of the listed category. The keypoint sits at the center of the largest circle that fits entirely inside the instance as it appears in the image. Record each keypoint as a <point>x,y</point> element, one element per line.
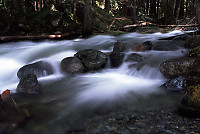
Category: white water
<point>107,85</point>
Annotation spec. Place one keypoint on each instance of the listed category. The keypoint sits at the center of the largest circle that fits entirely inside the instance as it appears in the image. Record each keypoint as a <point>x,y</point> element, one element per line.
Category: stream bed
<point>123,100</point>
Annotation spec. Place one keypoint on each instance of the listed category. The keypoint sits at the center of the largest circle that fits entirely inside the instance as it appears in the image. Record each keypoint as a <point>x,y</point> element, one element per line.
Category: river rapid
<point>67,102</point>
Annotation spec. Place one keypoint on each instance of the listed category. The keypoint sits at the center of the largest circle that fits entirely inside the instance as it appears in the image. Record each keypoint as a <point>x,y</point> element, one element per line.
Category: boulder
<point>28,84</point>
<point>40,68</point>
<point>119,47</point>
<point>176,67</point>
<point>175,84</point>
<point>92,59</point>
<point>148,45</point>
<point>133,57</point>
<point>192,77</point>
<point>195,52</point>
<point>72,65</point>
<point>190,104</point>
<point>139,48</point>
<point>116,59</point>
<point>192,42</point>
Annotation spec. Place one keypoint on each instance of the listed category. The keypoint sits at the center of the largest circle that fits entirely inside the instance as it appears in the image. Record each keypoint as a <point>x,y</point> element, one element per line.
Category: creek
<point>67,102</point>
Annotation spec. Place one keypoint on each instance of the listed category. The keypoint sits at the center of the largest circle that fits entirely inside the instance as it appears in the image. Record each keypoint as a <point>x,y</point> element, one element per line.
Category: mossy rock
<point>195,52</point>
<point>190,103</point>
<point>193,96</point>
<point>192,80</point>
<point>192,42</point>
<point>176,67</point>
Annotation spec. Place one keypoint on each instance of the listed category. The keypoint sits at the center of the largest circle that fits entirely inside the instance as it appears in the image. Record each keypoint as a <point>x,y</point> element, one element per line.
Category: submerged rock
<point>176,67</point>
<point>72,65</point>
<point>119,47</point>
<point>174,84</point>
<point>148,45</point>
<point>133,57</point>
<point>139,48</point>
<point>28,84</point>
<point>116,59</point>
<point>92,59</point>
<point>40,68</point>
<point>166,47</point>
<point>190,104</point>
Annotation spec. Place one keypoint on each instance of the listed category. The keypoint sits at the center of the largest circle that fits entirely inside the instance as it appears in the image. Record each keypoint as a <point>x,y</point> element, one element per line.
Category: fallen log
<point>151,24</point>
<point>191,25</point>
<point>4,39</point>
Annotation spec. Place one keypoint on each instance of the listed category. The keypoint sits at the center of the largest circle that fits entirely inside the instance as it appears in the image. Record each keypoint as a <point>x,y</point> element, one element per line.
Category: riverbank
<point>69,36</point>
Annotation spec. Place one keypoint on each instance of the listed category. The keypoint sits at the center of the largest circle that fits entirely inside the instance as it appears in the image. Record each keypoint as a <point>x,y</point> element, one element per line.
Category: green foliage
<point>101,20</point>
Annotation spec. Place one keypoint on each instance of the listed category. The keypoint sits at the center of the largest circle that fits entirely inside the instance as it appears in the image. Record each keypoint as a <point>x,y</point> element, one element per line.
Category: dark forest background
<point>37,17</point>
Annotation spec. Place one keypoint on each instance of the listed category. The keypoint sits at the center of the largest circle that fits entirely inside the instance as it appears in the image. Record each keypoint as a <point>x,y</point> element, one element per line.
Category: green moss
<point>193,96</point>
<point>195,52</point>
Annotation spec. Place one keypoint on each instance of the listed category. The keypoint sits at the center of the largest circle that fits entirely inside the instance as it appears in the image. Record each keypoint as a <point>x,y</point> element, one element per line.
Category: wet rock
<point>72,65</point>
<point>134,58</point>
<point>192,80</point>
<point>116,59</point>
<point>192,42</point>
<point>40,68</point>
<point>166,47</point>
<point>176,67</point>
<point>192,77</point>
<point>28,84</point>
<point>148,45</point>
<point>119,47</point>
<point>139,48</point>
<point>195,52</point>
<point>92,59</point>
<point>178,83</point>
<point>193,96</point>
<point>182,37</point>
<point>190,103</point>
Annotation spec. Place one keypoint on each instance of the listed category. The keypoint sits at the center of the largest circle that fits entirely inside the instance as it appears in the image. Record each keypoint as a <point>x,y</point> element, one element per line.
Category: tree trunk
<point>87,24</point>
<point>132,6</point>
<point>152,11</point>
<point>74,16</point>
<point>3,4</point>
<point>177,10</point>
<point>140,6</point>
<point>107,5</point>
<point>147,7</point>
<point>157,9</point>
<point>198,11</point>
<point>182,13</point>
<point>171,6</point>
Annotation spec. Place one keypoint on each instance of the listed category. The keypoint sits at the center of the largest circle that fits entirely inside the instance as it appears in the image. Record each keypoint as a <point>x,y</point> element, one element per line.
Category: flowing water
<point>71,98</point>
